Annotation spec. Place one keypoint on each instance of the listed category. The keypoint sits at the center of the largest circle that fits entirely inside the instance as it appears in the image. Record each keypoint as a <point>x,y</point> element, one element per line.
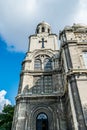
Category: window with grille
<point>42,84</point>
<point>85,58</point>
<point>37,84</point>
<point>47,84</point>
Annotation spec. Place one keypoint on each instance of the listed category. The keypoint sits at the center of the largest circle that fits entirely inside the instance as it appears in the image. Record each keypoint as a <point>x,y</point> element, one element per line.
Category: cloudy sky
<point>18,20</point>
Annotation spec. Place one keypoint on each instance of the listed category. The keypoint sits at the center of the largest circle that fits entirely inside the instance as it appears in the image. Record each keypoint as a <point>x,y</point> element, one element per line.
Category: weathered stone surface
<point>53,82</point>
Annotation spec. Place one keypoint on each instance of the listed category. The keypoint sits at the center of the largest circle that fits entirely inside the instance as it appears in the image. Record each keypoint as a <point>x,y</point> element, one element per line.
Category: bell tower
<point>39,103</point>
<point>43,38</point>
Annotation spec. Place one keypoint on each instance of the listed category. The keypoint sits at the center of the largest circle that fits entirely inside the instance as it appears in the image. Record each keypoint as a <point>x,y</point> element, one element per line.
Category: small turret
<point>43,27</point>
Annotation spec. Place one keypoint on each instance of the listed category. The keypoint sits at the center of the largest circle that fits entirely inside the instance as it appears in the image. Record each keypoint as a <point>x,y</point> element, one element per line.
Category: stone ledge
<point>32,96</point>
<point>79,72</point>
<point>41,71</point>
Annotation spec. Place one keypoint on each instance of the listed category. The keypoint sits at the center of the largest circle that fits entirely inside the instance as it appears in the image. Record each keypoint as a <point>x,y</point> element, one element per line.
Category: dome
<point>43,23</point>
<point>43,27</point>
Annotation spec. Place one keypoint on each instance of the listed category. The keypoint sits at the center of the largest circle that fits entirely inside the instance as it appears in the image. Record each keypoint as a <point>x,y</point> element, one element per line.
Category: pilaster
<point>74,90</point>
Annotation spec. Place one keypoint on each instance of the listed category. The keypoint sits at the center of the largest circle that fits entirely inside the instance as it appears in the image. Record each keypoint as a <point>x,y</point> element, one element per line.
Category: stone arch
<point>43,52</point>
<point>41,109</point>
<point>42,56</point>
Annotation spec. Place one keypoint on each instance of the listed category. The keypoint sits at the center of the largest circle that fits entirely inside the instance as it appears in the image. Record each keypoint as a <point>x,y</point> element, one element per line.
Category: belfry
<point>53,81</point>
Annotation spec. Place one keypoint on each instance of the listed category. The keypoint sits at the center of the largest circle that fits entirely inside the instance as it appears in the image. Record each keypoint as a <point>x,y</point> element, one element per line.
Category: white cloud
<point>3,100</point>
<point>18,18</point>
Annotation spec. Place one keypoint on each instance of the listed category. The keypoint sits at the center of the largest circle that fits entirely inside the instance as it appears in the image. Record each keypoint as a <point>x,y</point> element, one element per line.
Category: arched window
<point>42,116</point>
<point>47,64</point>
<point>42,122</point>
<point>37,64</point>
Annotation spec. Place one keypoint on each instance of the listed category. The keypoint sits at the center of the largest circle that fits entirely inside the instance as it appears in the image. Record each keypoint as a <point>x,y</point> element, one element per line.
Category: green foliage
<point>6,117</point>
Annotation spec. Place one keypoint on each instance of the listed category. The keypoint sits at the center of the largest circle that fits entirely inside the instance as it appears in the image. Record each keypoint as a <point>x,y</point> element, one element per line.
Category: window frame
<point>84,54</point>
<point>42,84</point>
<point>47,64</point>
<point>37,65</point>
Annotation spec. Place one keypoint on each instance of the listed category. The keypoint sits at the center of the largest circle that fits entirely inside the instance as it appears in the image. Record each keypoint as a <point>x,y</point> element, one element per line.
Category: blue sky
<point>10,67</point>
<point>18,20</point>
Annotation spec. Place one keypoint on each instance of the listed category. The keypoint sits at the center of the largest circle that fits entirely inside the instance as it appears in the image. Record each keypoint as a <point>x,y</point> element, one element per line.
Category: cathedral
<point>52,93</point>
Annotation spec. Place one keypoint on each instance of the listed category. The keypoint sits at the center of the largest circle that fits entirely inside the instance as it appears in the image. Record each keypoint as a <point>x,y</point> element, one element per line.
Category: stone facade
<point>52,88</point>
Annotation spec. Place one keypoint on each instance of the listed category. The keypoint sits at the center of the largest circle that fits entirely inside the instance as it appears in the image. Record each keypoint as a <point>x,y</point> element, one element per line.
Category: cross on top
<point>42,42</point>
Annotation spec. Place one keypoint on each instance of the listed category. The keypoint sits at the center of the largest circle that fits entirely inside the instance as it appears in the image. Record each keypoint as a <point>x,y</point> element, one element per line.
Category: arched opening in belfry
<point>43,29</point>
<point>42,122</point>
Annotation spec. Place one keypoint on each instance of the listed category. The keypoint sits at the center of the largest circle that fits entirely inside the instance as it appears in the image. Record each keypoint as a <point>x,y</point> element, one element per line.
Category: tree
<point>6,117</point>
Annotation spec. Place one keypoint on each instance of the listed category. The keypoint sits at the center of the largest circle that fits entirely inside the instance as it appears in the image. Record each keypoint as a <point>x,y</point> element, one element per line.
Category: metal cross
<point>42,42</point>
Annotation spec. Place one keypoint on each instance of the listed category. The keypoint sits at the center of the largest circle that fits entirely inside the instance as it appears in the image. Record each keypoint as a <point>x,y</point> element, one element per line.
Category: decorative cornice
<point>76,72</point>
<point>69,42</point>
<point>33,72</point>
<point>82,43</point>
<point>26,61</point>
<point>41,96</point>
